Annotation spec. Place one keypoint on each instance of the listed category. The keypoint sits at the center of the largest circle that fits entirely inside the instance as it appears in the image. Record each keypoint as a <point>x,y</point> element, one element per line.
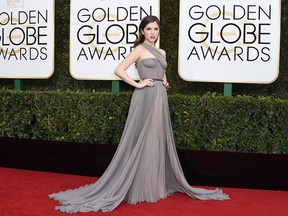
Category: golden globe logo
<point>20,32</point>
<point>230,34</point>
<point>106,33</point>
<point>229,42</point>
<point>102,34</point>
<point>26,39</point>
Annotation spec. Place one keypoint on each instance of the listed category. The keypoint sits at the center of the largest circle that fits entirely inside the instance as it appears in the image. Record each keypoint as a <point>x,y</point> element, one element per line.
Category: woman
<point>145,166</point>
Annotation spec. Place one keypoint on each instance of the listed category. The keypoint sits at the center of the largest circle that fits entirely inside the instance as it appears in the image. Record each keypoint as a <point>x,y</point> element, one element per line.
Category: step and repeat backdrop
<point>231,41</point>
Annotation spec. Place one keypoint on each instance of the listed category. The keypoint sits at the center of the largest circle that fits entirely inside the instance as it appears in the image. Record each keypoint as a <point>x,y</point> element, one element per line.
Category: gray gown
<point>145,166</point>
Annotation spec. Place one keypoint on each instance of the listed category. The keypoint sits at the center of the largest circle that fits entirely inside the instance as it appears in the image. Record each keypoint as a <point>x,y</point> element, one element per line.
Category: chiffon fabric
<point>145,166</point>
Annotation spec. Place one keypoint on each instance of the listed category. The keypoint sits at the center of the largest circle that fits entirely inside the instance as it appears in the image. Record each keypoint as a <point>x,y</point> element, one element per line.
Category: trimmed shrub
<point>209,122</point>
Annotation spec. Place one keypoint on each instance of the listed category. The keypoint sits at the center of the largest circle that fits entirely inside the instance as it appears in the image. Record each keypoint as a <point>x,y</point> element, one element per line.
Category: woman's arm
<point>165,82</point>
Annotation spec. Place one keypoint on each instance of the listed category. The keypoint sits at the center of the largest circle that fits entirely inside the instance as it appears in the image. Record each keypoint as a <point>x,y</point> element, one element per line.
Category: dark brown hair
<point>145,21</point>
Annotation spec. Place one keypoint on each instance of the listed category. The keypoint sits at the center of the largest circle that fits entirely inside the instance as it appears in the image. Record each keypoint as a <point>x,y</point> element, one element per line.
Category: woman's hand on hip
<point>145,82</point>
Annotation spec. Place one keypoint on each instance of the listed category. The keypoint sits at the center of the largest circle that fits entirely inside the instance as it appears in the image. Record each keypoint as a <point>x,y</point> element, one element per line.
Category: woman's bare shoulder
<point>163,52</point>
<point>139,48</point>
<point>137,51</point>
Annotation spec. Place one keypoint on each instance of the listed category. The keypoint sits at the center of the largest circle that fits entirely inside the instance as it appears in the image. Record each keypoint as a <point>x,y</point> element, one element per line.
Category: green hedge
<point>210,122</point>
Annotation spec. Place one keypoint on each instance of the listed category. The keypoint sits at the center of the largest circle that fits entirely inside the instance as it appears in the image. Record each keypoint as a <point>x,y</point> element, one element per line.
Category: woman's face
<point>151,32</point>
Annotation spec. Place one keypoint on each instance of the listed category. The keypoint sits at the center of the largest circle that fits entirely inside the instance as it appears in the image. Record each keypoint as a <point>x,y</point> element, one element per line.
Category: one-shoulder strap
<point>156,53</point>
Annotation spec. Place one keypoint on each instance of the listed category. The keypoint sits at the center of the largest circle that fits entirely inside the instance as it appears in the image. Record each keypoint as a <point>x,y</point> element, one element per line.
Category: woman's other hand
<point>166,84</point>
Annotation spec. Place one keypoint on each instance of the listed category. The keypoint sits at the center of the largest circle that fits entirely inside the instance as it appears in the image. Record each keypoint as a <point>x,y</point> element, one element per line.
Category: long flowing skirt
<point>145,166</point>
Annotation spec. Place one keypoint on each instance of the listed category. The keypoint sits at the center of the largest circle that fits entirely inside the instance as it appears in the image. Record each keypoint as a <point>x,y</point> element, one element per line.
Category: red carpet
<point>24,193</point>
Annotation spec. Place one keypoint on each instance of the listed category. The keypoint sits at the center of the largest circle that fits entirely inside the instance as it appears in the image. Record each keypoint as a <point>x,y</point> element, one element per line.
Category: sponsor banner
<point>102,33</point>
<point>234,41</point>
<point>26,39</point>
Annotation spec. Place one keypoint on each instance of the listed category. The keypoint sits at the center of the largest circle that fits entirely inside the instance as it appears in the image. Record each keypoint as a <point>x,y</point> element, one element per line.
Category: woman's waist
<point>154,79</point>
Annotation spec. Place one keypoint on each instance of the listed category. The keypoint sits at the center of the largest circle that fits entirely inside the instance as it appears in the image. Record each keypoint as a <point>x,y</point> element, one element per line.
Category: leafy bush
<point>240,124</point>
<point>210,122</point>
